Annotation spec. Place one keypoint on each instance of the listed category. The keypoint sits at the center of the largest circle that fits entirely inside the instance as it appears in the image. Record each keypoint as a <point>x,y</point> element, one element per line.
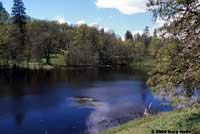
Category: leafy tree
<point>4,47</point>
<point>155,45</point>
<point>109,45</point>
<point>4,28</point>
<point>81,52</point>
<point>130,46</point>
<point>44,39</point>
<point>182,19</point>
<point>66,35</point>
<point>94,39</point>
<point>140,49</point>
<point>165,75</point>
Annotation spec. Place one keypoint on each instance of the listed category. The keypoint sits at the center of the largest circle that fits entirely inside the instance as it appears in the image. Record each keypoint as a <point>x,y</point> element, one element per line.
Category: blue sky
<point>117,15</point>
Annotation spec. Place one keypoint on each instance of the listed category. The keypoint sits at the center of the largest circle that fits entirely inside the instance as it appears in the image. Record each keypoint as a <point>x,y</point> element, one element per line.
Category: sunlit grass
<point>185,119</point>
<point>55,60</point>
<point>147,61</point>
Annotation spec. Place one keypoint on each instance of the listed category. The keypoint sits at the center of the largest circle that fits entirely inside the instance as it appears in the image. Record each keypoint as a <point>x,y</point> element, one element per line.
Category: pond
<point>72,101</point>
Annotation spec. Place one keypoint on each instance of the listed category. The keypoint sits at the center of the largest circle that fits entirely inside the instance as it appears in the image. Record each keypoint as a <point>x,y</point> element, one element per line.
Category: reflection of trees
<point>17,93</point>
<point>42,78</point>
<point>19,118</point>
<point>18,109</point>
<point>12,84</point>
<point>106,115</point>
<point>18,83</point>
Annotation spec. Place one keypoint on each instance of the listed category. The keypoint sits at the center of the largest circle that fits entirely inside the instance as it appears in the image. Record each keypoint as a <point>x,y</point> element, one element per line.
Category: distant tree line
<point>24,40</point>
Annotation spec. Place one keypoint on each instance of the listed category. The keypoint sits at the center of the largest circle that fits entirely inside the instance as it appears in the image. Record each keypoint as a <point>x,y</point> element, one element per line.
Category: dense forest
<point>26,41</point>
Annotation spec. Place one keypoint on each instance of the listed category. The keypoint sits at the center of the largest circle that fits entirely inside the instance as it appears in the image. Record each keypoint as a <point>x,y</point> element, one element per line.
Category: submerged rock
<point>82,100</point>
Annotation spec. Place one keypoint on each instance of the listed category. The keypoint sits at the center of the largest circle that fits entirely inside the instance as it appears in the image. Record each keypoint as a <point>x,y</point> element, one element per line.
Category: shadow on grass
<point>191,122</point>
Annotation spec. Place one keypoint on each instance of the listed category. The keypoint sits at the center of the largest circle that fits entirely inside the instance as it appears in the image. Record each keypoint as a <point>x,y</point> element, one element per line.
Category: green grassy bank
<point>55,60</point>
<point>184,119</point>
<point>147,61</point>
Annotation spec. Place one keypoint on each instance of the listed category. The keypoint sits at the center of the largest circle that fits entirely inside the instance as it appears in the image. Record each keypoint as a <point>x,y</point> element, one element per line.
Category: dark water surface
<point>72,102</point>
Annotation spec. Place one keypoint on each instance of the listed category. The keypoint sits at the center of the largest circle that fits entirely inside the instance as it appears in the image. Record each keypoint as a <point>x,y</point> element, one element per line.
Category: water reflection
<point>72,102</point>
<point>109,112</point>
<point>19,118</point>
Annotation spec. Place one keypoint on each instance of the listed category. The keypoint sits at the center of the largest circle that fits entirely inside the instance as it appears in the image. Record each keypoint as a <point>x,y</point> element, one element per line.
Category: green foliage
<point>82,55</point>
<point>155,45</point>
<point>33,41</point>
<point>178,65</point>
<point>165,75</point>
<point>93,47</point>
<point>43,38</point>
<point>138,48</point>
<point>4,39</point>
<point>4,28</point>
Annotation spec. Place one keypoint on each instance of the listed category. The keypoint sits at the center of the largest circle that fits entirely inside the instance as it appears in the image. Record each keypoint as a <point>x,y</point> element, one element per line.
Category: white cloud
<point>159,23</point>
<point>62,20</point>
<point>106,29</point>
<point>95,25</point>
<point>81,22</point>
<point>124,6</point>
<point>137,31</point>
<point>99,27</point>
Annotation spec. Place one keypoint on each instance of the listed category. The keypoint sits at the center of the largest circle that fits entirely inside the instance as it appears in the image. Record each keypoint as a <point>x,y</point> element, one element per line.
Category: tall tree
<point>19,14</point>
<point>128,35</point>
<point>3,14</point>
<point>146,36</point>
<point>18,36</point>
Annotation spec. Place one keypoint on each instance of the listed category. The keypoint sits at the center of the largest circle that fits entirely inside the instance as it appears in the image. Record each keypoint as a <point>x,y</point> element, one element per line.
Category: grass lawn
<point>58,59</point>
<point>185,119</point>
<point>147,61</point>
<point>55,59</point>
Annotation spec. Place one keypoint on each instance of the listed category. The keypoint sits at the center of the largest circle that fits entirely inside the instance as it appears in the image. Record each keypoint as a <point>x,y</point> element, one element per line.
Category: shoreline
<point>177,120</point>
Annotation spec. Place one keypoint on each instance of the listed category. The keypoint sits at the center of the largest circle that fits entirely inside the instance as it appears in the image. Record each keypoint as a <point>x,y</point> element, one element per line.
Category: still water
<point>72,102</point>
